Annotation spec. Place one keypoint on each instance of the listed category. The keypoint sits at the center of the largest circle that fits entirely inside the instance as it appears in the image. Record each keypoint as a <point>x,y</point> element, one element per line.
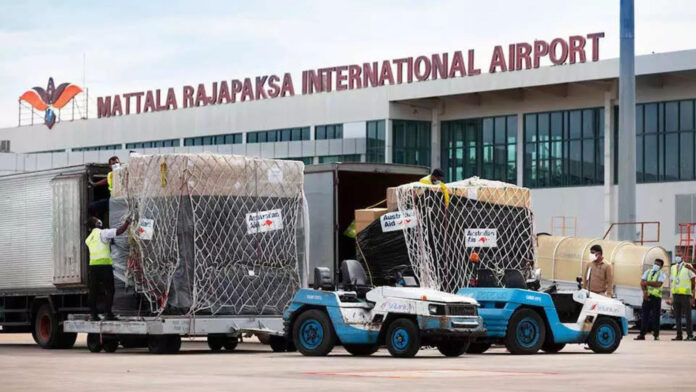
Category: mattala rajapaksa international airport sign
<point>518,56</point>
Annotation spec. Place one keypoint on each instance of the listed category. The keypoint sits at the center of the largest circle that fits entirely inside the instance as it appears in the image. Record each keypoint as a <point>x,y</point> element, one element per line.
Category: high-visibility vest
<point>99,252</point>
<point>681,281</point>
<point>350,231</point>
<point>110,181</point>
<point>653,276</point>
<point>429,181</point>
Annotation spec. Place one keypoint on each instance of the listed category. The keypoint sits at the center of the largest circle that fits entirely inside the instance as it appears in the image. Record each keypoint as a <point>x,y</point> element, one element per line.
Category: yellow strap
<point>163,172</point>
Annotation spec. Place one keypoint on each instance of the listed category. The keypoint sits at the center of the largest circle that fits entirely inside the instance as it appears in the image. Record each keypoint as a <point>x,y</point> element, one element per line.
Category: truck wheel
<point>478,348</point>
<point>552,348</point>
<point>164,344</point>
<point>361,350</point>
<point>231,343</point>
<point>313,333</point>
<point>605,336</point>
<point>525,332</point>
<point>453,348</point>
<point>215,342</point>
<point>47,331</point>
<point>94,342</point>
<point>403,338</point>
<point>109,344</point>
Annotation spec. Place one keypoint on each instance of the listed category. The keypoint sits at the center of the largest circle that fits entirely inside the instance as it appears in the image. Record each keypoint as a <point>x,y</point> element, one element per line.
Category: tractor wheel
<point>110,344</point>
<point>361,350</point>
<point>551,347</point>
<point>526,332</point>
<point>453,348</point>
<point>403,338</point>
<point>94,344</point>
<point>216,342</point>
<point>313,333</point>
<point>231,343</point>
<point>478,348</point>
<point>605,336</point>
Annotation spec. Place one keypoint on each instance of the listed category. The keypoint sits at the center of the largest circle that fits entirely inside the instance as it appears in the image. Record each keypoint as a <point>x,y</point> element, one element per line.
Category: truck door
<point>69,202</point>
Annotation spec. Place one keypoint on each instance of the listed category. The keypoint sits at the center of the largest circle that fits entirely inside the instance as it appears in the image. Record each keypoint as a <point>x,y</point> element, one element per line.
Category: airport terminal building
<point>549,128</point>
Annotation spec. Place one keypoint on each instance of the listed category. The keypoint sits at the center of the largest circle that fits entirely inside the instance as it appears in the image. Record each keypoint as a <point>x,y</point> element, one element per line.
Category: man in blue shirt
<point>651,284</point>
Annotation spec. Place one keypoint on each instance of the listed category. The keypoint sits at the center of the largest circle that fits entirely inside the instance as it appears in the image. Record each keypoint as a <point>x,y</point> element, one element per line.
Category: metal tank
<point>561,260</point>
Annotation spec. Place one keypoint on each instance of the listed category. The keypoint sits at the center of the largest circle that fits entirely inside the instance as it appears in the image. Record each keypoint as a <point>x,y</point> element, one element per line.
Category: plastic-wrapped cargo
<point>492,218</point>
<point>213,234</point>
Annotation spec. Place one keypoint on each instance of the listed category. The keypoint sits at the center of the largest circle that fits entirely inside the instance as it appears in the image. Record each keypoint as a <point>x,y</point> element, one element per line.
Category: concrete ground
<point>636,366</point>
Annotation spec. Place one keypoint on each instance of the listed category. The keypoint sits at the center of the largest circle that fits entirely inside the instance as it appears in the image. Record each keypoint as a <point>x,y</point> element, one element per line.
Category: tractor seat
<point>353,278</point>
<point>514,279</point>
<point>486,278</point>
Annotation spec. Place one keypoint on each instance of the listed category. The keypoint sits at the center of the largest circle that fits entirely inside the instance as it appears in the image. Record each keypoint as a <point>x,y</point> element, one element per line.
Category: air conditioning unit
<point>4,146</point>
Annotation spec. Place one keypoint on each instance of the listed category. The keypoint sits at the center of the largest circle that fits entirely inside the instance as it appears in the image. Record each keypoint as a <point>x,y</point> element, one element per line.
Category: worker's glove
<point>90,182</point>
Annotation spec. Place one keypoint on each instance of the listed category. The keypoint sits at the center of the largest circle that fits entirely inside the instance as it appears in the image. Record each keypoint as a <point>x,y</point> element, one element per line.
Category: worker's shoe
<point>677,338</point>
<point>690,338</point>
<point>639,337</point>
<point>657,338</point>
<point>94,317</point>
<point>110,317</point>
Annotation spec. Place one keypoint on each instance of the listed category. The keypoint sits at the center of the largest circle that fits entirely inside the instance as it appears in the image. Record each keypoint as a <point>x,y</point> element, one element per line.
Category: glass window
<point>320,132</point>
<point>252,137</point>
<point>375,141</point>
<point>411,142</point>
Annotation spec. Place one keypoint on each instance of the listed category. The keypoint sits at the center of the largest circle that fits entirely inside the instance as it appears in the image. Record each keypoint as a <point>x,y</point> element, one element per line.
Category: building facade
<point>552,129</point>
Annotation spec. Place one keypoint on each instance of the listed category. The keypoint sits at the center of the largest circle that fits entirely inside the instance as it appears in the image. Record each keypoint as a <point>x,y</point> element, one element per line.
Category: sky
<point>125,46</point>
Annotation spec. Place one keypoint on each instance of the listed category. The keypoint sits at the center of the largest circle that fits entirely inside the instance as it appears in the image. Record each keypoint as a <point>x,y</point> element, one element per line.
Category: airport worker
<point>683,280</point>
<point>598,275</point>
<point>435,178</point>
<point>100,206</point>
<point>101,273</point>
<point>651,284</point>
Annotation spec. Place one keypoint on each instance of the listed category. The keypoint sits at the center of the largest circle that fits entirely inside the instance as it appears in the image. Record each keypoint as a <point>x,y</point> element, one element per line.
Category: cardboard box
<point>392,204</point>
<point>364,217</point>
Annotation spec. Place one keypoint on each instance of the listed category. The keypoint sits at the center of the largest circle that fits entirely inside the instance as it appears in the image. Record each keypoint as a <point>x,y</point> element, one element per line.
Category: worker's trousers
<point>650,315</point>
<point>101,282</point>
<point>681,303</point>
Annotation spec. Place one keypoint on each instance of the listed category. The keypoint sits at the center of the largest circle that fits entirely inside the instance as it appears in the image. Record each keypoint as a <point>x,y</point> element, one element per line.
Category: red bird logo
<point>50,98</point>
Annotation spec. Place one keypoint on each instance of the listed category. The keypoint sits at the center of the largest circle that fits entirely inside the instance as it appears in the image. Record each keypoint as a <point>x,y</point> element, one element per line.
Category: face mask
<point>593,256</point>
<point>115,166</point>
<point>656,267</point>
<point>436,182</point>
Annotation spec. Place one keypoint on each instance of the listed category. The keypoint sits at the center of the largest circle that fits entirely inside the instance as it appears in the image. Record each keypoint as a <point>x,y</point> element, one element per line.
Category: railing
<point>642,224</point>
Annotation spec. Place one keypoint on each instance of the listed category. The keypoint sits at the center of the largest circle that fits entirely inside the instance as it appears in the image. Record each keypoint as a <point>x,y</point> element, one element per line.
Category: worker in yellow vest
<point>683,281</point>
<point>651,284</point>
<point>101,274</point>
<point>437,178</point>
<point>100,206</point>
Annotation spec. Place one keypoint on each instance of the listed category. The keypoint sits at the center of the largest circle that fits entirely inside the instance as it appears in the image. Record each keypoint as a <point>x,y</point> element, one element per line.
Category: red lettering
<point>409,69</point>
<point>158,101</point>
<point>138,100</point>
<point>457,65</point>
<point>212,99</point>
<point>370,74</point>
<point>422,64</point>
<point>553,51</point>
<point>577,46</point>
<point>287,87</point>
<point>522,54</point>
<point>236,89</point>
<point>541,48</point>
<point>103,107</point>
<point>511,57</point>
<point>274,87</point>
<point>472,68</point>
<point>594,37</point>
<point>117,109</point>
<point>224,95</point>
<point>326,78</point>
<point>439,66</point>
<point>149,102</point>
<point>201,97</point>
<point>171,99</point>
<point>188,96</point>
<point>126,97</point>
<point>386,73</point>
<point>354,77</point>
<point>314,81</point>
<point>260,89</point>
<point>498,60</point>
<point>247,90</point>
<point>399,69</point>
<point>341,78</point>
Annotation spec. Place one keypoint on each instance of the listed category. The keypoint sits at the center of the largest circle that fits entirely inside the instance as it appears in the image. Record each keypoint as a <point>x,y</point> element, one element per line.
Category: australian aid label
<point>263,221</point>
<point>394,221</point>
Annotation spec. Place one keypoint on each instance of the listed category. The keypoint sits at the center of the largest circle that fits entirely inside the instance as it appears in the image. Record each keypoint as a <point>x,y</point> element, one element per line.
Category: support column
<point>435,136</point>
<point>520,149</point>
<point>608,161</point>
<point>388,127</point>
<point>627,123</point>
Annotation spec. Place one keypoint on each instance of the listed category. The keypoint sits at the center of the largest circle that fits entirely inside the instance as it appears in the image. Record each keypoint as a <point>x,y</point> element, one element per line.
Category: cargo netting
<point>217,234</point>
<point>445,224</point>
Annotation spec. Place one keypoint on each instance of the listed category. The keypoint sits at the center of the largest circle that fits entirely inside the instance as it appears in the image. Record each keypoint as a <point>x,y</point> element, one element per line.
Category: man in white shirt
<point>651,284</point>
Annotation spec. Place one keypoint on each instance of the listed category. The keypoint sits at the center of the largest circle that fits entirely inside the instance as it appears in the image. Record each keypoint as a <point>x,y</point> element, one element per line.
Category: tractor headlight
<point>436,309</point>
